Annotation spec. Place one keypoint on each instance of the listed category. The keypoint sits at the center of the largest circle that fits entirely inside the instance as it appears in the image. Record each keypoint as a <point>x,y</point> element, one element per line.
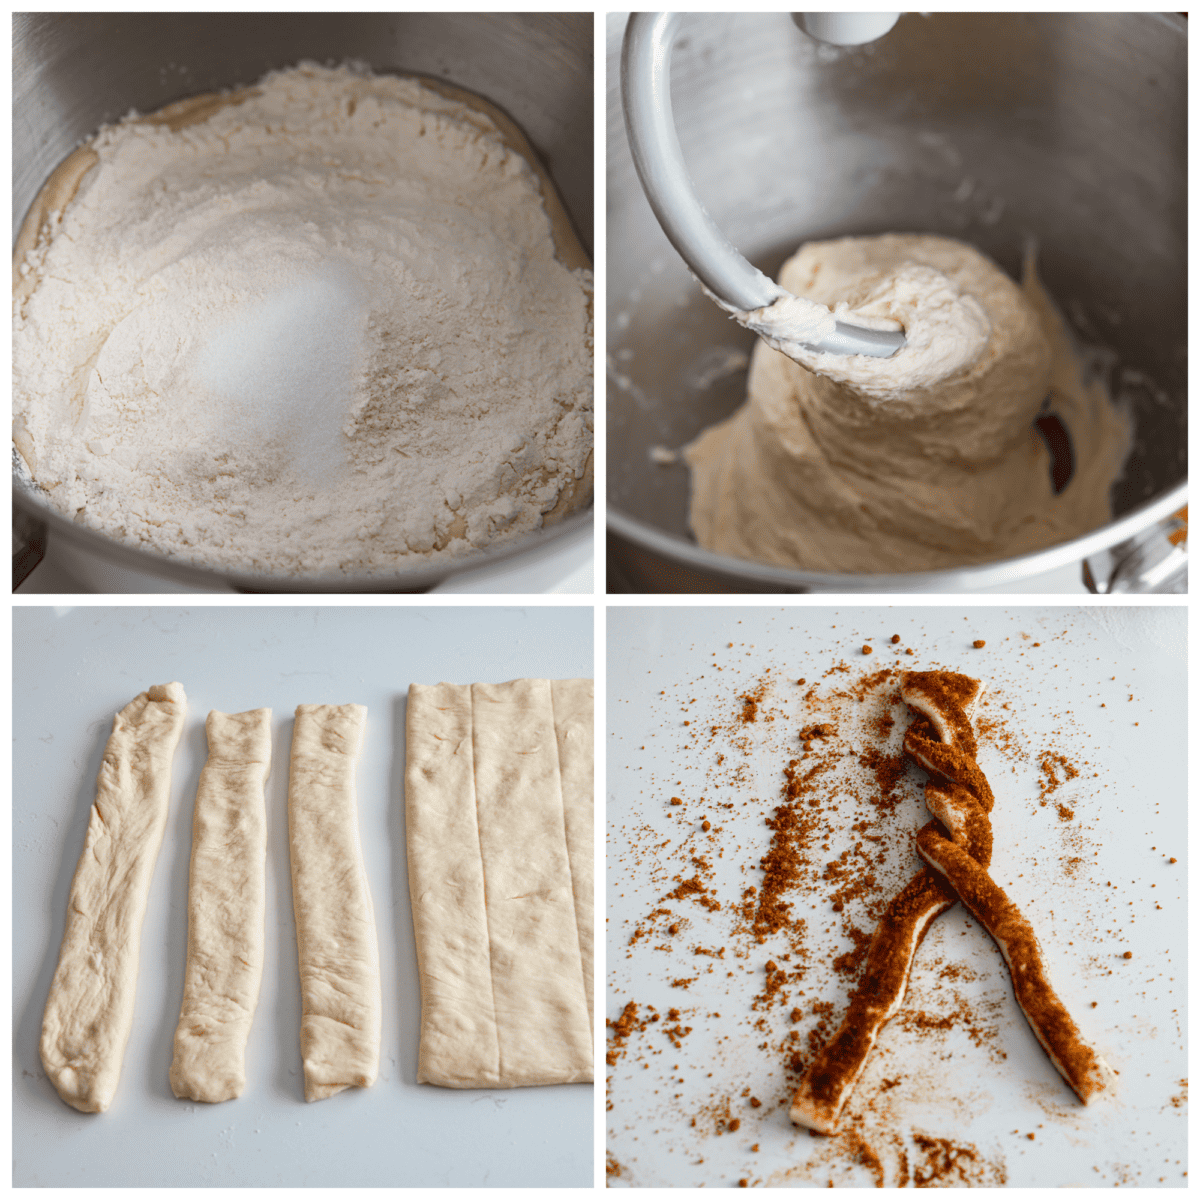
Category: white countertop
<point>1107,685</point>
<point>73,668</point>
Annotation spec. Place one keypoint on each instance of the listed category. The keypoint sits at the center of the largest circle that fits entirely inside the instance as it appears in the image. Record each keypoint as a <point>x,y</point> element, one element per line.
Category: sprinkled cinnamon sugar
<point>802,862</point>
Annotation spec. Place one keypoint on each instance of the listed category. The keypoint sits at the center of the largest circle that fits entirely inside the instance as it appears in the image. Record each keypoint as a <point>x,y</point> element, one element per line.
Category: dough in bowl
<point>928,459</point>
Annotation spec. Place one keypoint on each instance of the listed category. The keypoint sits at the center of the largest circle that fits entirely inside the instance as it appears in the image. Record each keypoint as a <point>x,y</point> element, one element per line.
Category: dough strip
<point>1083,1069</point>
<point>226,909</point>
<point>89,1011</point>
<point>573,725</point>
<point>340,1028</point>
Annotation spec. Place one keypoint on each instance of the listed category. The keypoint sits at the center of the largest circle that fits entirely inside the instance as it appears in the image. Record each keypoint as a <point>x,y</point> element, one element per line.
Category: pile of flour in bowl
<point>316,325</point>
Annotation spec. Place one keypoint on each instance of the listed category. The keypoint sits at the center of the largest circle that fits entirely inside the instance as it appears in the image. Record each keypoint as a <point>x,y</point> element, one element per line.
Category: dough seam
<point>562,797</point>
<point>487,913</point>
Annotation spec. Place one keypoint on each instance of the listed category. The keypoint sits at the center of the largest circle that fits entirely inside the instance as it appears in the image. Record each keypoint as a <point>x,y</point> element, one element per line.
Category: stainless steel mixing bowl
<point>990,127</point>
<point>73,73</point>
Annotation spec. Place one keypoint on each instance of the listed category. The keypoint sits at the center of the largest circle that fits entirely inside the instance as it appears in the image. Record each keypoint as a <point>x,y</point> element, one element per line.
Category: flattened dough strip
<point>498,791</point>
<point>338,948</point>
<point>89,1011</point>
<point>226,909</point>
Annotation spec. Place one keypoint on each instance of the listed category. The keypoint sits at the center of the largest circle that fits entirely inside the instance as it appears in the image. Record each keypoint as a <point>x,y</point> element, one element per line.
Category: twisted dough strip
<point>936,695</point>
<point>958,795</point>
<point>940,739</point>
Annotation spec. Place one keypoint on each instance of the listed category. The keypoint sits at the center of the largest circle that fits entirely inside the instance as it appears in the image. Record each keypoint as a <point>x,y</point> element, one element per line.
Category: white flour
<point>323,330</point>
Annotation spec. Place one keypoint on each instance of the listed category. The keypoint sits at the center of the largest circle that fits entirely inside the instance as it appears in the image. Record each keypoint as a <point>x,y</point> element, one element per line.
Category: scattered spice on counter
<point>837,828</point>
<point>946,1164</point>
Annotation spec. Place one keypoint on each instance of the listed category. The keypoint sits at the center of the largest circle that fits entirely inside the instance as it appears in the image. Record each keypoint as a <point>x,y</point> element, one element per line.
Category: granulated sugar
<point>284,372</point>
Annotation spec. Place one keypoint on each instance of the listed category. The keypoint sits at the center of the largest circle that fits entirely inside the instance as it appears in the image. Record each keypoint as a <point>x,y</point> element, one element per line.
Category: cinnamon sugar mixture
<point>761,869</point>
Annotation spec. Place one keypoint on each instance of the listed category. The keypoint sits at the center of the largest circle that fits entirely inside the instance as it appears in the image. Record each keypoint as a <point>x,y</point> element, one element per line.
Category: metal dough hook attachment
<point>712,258</point>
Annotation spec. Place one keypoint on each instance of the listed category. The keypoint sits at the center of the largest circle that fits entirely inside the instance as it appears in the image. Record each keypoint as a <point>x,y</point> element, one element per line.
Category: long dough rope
<point>89,1012</point>
<point>957,794</point>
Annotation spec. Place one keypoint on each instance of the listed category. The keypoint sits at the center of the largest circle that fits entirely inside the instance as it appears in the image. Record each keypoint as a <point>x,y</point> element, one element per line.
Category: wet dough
<point>925,460</point>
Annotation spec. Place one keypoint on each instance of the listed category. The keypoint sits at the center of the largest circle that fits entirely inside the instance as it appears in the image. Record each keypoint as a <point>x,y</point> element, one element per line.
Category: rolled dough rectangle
<point>498,799</point>
<point>341,1025</point>
<point>226,909</point>
<point>89,1011</point>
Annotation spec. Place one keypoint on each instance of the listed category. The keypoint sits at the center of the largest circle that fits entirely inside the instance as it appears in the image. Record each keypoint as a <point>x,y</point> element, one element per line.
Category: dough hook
<point>646,96</point>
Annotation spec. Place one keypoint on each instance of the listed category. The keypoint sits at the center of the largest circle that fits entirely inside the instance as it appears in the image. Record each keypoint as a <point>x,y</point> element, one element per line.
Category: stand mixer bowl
<point>74,72</point>
<point>993,128</point>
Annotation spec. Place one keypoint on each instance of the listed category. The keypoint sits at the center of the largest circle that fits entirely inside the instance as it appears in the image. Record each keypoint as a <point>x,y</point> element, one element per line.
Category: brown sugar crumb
<point>743,1183</point>
<point>676,800</point>
<point>626,1024</point>
<point>851,962</point>
<point>811,732</point>
<point>895,639</point>
<point>1055,770</point>
<point>862,1152</point>
<point>750,705</point>
<point>755,1102</point>
<point>693,889</point>
<point>946,1163</point>
<point>734,1125</point>
<point>888,769</point>
<point>866,649</point>
<point>909,650</point>
<point>979,643</point>
<point>706,825</point>
<point>1032,1137</point>
<point>673,928</point>
<point>783,865</point>
<point>1127,954</point>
